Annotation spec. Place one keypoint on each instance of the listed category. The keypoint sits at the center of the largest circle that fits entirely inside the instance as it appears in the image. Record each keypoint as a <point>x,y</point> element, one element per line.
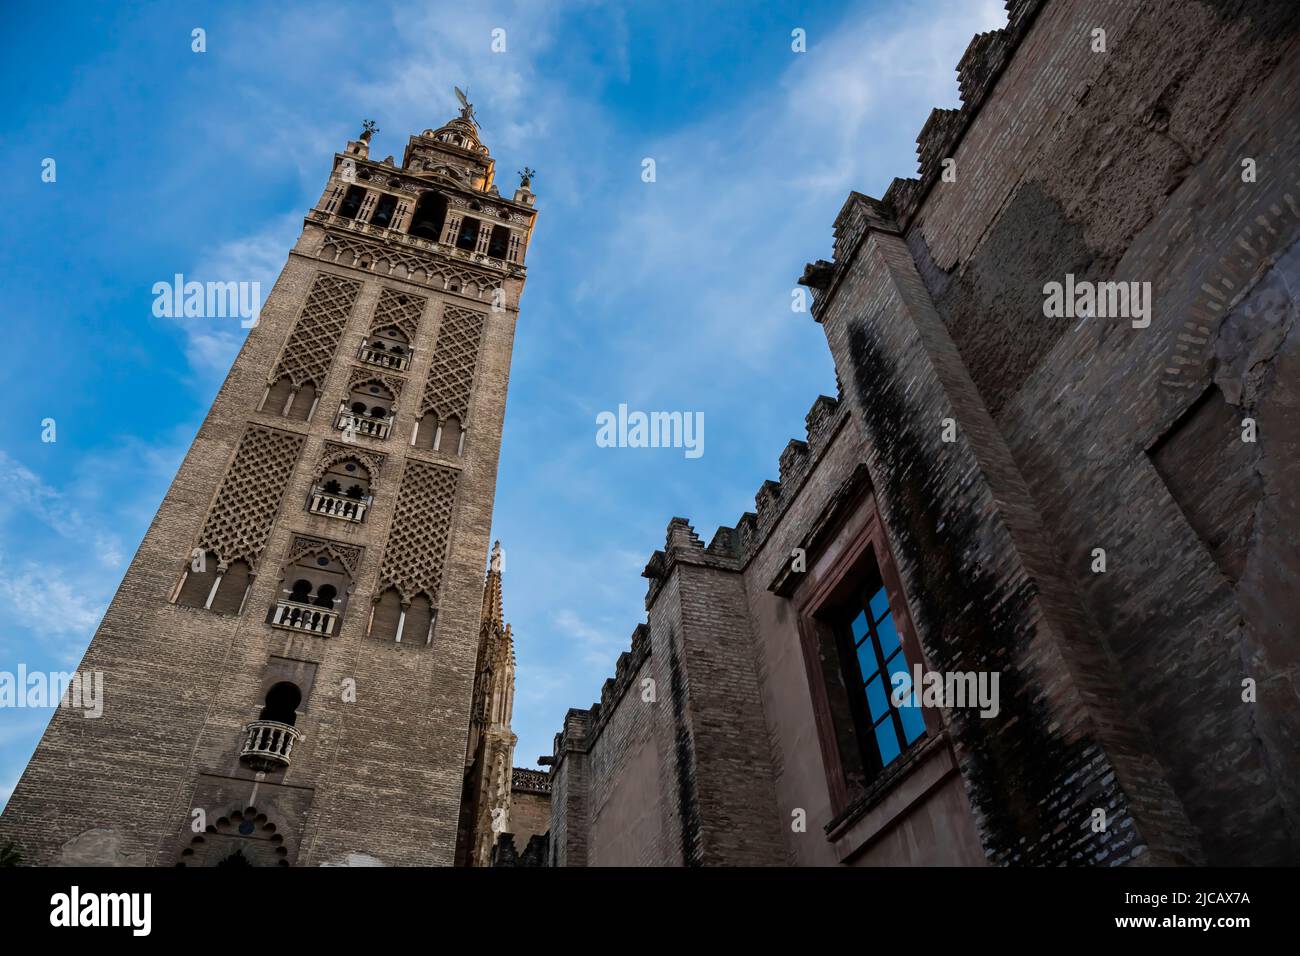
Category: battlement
<point>977,73</point>
<point>583,727</point>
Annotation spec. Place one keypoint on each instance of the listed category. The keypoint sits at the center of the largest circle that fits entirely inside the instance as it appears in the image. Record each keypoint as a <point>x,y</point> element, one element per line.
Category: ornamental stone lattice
<point>451,375</point>
<point>240,519</point>
<point>417,543</point>
<point>314,339</point>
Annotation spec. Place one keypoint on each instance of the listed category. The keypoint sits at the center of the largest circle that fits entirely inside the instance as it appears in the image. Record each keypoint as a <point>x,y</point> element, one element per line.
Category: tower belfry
<point>289,664</point>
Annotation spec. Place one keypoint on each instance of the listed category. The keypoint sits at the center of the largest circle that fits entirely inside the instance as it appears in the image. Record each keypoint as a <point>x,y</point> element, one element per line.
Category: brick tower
<point>289,663</point>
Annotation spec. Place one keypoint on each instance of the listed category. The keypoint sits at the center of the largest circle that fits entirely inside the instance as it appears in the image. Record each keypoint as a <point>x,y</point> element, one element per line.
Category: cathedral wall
<point>570,830</point>
<point>734,792</point>
<point>1129,167</point>
<point>626,814</point>
<point>928,802</point>
<point>530,815</point>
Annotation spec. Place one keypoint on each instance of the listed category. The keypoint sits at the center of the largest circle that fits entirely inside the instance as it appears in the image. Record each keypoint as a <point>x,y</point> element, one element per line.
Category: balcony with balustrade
<point>268,745</point>
<point>309,618</point>
<point>344,507</point>
<point>392,356</point>
<point>363,423</point>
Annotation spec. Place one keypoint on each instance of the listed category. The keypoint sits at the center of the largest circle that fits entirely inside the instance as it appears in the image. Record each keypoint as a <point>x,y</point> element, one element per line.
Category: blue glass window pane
<point>877,699</point>
<point>902,687</point>
<point>879,605</point>
<point>887,742</point>
<point>888,635</point>
<point>898,665</point>
<point>867,662</point>
<point>859,628</point>
<point>913,722</point>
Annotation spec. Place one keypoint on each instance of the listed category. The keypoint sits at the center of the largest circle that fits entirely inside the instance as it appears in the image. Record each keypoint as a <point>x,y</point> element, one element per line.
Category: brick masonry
<point>374,779</point>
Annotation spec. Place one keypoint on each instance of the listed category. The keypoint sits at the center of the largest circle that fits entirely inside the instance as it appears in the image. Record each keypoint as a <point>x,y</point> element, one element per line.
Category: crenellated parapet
<point>683,544</point>
<point>583,727</point>
<point>977,73</point>
<point>797,462</point>
<point>574,734</point>
<point>625,671</point>
<point>819,422</point>
<point>936,138</point>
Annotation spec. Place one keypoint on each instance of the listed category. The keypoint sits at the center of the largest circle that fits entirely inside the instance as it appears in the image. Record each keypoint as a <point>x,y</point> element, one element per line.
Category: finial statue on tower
<point>496,556</point>
<point>466,107</point>
<point>368,129</point>
<point>526,177</point>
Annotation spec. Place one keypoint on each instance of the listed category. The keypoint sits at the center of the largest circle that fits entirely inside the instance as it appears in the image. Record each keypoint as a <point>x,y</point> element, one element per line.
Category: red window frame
<point>820,608</point>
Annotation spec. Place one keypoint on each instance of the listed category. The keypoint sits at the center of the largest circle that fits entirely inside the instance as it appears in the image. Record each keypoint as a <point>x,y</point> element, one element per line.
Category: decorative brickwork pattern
<point>240,520</point>
<point>534,781</point>
<point>417,543</point>
<point>307,354</point>
<point>401,264</point>
<point>347,555</point>
<point>335,453</point>
<point>378,784</point>
<point>398,310</point>
<point>451,376</point>
<point>363,376</point>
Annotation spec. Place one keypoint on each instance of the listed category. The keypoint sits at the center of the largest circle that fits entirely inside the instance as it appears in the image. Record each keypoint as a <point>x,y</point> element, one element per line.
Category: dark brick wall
<point>1128,165</point>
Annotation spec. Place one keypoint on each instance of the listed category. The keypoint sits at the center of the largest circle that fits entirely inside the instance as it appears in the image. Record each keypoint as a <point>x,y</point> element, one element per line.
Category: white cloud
<point>43,600</point>
<point>25,494</point>
<point>213,343</point>
<point>594,644</point>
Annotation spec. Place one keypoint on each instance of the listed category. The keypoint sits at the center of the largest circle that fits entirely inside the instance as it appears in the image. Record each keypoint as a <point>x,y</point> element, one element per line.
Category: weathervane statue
<point>466,107</point>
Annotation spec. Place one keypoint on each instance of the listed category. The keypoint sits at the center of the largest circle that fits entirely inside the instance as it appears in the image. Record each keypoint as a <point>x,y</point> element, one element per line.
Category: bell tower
<point>289,664</point>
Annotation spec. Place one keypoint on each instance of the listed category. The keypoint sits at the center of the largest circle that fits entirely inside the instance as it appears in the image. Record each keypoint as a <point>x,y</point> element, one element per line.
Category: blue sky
<point>672,295</point>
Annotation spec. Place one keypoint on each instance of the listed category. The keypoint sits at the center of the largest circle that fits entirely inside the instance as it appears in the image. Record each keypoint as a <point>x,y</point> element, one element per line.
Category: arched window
<point>313,595</point>
<point>343,491</point>
<point>385,616</point>
<point>368,410</point>
<point>426,432</point>
<point>268,741</point>
<point>429,215</point>
<point>198,581</point>
<point>383,213</point>
<point>388,347</point>
<point>303,402</point>
<point>205,585</point>
<point>233,588</point>
<point>468,235</point>
<point>282,398</point>
<point>352,200</point>
<point>276,400</point>
<point>417,628</point>
<point>446,436</point>
<point>449,442</point>
<point>412,624</point>
<point>281,703</point>
<point>499,242</point>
